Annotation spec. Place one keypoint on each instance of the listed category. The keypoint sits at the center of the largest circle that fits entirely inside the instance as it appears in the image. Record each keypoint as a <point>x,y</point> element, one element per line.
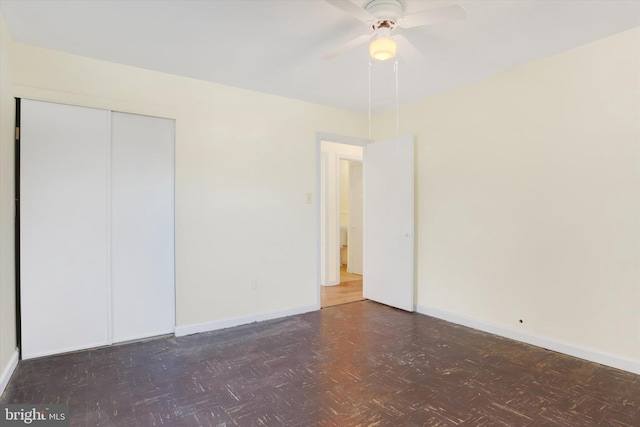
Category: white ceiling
<point>276,46</point>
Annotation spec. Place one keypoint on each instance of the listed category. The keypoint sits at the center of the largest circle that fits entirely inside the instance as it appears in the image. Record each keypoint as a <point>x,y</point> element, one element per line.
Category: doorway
<point>350,208</point>
<point>342,231</point>
<point>388,217</point>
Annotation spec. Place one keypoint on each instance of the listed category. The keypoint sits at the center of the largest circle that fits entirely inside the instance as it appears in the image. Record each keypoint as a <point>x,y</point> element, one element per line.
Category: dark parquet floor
<point>359,364</point>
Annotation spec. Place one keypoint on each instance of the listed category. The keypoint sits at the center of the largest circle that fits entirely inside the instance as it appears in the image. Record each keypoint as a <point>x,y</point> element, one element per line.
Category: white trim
<point>108,230</point>
<point>341,139</point>
<point>364,223</point>
<point>8,370</point>
<point>59,351</point>
<point>589,354</point>
<point>241,320</point>
<point>336,217</point>
<point>174,309</point>
<point>321,273</point>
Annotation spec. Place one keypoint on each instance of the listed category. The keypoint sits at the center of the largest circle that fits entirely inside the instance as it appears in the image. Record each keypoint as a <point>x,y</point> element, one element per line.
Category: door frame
<point>339,139</point>
<point>361,161</point>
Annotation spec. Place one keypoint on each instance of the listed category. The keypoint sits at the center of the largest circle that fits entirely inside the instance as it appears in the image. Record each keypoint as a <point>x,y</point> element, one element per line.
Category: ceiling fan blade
<point>353,10</point>
<point>433,16</point>
<point>348,45</point>
<point>407,50</point>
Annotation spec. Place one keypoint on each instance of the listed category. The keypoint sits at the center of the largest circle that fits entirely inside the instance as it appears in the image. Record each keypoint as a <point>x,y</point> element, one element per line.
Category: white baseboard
<point>241,320</point>
<point>591,355</point>
<point>8,370</point>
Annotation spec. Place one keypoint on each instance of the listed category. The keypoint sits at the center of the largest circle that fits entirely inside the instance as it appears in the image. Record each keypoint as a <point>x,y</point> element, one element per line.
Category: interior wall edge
<point>592,355</point>
<point>242,320</point>
<point>8,370</point>
<point>8,334</point>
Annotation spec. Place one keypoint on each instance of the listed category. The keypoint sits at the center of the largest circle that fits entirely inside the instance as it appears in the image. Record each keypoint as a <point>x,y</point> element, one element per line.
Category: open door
<point>389,222</point>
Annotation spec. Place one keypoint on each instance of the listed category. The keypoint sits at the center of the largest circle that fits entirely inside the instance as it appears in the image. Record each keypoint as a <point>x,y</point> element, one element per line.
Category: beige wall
<point>244,164</point>
<point>7,260</point>
<point>528,197</point>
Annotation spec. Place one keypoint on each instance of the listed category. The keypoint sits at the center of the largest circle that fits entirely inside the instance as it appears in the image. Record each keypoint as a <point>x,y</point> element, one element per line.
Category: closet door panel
<point>64,236</point>
<point>142,224</point>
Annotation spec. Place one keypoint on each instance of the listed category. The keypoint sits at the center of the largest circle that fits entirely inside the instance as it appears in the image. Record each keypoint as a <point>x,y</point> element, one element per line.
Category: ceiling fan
<point>384,16</point>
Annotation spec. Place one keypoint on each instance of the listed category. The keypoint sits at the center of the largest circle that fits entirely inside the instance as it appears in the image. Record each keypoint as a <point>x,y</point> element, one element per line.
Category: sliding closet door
<point>142,224</point>
<point>63,232</point>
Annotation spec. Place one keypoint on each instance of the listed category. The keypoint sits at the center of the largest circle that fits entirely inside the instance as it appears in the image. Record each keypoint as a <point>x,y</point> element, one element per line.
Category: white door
<point>63,237</point>
<point>97,227</point>
<point>389,222</point>
<point>142,226</point>
<point>354,237</point>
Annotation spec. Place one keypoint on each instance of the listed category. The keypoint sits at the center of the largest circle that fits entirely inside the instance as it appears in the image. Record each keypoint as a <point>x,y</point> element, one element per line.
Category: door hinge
<point>17,133</point>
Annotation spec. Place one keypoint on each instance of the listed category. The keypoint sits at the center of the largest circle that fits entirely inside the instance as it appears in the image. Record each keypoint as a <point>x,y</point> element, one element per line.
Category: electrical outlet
<point>253,284</point>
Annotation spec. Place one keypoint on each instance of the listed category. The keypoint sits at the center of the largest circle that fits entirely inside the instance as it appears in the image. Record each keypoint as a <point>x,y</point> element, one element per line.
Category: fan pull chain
<point>369,100</point>
<point>395,69</point>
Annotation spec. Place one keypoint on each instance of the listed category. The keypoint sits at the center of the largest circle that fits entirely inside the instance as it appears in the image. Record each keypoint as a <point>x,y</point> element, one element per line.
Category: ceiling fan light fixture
<point>382,49</point>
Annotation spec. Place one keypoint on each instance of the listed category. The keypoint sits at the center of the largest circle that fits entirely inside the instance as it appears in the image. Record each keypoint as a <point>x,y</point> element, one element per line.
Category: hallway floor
<point>354,364</point>
<point>349,290</point>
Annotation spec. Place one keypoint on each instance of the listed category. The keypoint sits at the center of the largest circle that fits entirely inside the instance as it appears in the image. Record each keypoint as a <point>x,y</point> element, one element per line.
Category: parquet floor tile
<point>359,364</point>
